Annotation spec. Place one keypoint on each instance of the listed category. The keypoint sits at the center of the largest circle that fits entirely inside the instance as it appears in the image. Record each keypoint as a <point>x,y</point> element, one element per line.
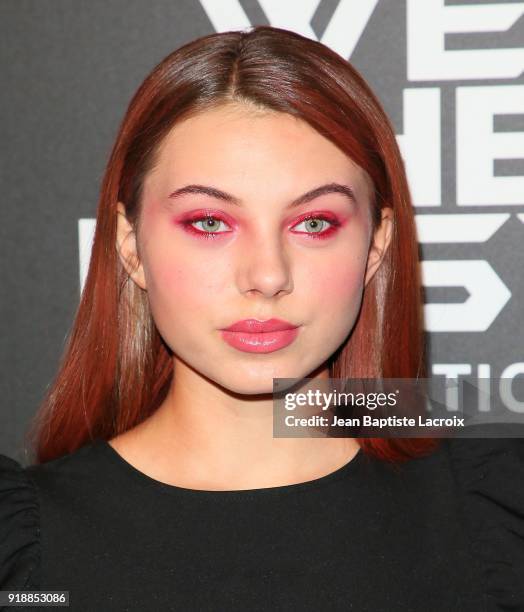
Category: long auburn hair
<point>116,369</point>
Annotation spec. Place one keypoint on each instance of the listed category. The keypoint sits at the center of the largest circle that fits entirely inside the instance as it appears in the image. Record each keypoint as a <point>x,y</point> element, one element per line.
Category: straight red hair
<point>116,369</point>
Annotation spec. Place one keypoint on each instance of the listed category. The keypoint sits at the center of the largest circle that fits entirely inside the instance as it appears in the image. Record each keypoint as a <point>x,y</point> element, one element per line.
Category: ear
<point>380,244</point>
<point>127,248</point>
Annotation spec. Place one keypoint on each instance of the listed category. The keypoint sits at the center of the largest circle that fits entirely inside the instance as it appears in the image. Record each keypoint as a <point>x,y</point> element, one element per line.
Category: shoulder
<point>478,483</point>
<point>35,495</point>
<point>19,527</point>
<point>489,477</point>
<point>75,470</point>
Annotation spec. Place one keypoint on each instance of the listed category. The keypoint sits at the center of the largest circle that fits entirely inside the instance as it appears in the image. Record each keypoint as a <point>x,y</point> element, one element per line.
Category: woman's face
<point>258,256</point>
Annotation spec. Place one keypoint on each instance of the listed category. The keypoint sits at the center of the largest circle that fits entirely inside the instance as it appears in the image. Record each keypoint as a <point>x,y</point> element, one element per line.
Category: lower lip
<point>266,342</point>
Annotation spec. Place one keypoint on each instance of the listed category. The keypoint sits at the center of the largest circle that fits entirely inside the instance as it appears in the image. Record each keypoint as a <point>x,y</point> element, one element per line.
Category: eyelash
<point>335,223</point>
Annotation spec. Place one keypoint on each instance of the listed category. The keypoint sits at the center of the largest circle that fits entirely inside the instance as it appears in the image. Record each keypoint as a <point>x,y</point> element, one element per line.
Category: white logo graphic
<point>420,144</point>
<point>487,295</point>
<point>86,232</point>
<point>478,145</point>
<point>429,21</point>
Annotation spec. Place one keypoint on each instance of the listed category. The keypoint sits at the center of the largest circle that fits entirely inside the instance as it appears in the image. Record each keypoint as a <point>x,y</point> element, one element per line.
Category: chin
<point>255,380</point>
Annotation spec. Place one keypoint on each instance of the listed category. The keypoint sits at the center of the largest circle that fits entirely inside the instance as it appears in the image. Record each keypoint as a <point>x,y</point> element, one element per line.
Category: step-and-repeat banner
<point>449,73</point>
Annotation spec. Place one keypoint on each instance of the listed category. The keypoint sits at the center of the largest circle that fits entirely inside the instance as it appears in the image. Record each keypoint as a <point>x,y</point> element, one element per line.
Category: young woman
<point>254,223</point>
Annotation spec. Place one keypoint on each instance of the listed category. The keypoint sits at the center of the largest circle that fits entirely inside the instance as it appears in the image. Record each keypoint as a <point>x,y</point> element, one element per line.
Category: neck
<point>204,438</point>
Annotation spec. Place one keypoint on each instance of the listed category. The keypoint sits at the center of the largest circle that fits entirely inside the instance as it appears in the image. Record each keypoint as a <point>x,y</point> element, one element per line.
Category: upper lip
<point>254,326</point>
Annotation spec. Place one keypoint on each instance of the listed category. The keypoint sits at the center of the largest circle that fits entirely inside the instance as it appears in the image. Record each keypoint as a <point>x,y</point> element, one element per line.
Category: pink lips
<point>254,336</point>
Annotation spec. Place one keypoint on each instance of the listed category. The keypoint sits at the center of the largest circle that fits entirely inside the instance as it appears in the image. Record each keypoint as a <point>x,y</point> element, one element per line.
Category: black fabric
<point>440,533</point>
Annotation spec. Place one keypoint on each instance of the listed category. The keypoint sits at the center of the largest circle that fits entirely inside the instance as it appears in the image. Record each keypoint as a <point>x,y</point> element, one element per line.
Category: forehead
<point>234,144</point>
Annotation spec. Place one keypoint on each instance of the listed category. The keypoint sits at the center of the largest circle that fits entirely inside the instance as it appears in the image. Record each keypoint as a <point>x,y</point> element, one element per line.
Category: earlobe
<point>380,244</point>
<point>127,248</point>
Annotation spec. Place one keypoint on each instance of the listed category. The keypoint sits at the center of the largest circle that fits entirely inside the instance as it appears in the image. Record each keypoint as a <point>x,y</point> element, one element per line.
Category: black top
<point>437,534</point>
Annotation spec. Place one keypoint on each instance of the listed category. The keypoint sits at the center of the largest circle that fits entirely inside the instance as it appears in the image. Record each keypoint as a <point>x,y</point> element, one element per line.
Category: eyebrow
<point>230,199</point>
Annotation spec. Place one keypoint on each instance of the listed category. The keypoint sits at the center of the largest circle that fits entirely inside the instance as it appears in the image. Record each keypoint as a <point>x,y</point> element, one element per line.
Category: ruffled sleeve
<point>19,528</point>
<point>490,477</point>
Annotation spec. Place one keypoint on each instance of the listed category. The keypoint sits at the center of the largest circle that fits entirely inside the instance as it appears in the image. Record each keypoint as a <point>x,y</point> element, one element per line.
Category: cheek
<point>336,282</point>
<point>179,285</point>
<point>180,278</point>
<point>342,285</point>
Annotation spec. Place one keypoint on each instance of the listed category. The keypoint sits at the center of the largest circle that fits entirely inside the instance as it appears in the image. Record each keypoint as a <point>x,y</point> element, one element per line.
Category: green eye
<point>210,225</point>
<point>313,225</point>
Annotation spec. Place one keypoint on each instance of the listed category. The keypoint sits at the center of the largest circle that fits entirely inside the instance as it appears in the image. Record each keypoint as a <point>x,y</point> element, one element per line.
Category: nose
<point>264,267</point>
